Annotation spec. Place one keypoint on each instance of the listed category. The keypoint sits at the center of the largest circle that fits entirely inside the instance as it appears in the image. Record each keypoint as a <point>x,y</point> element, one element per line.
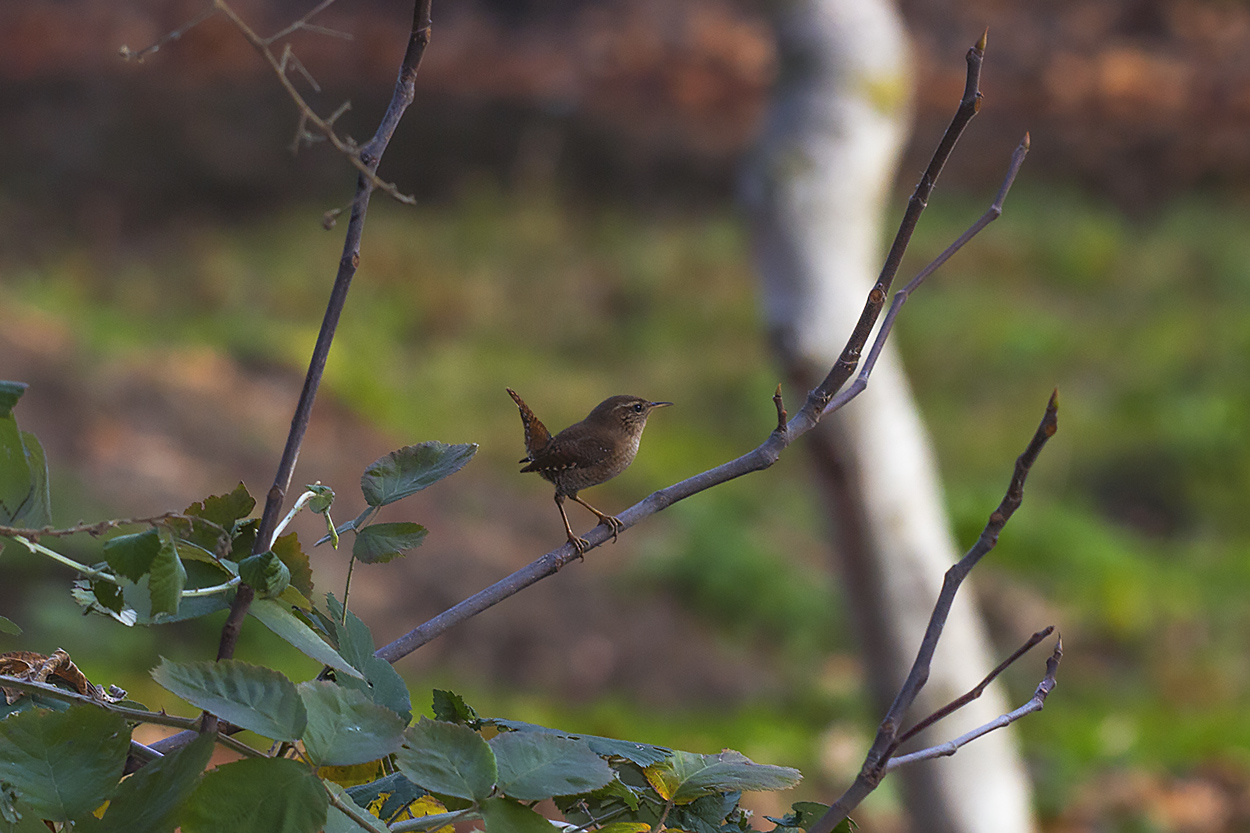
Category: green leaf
<point>643,754</point>
<point>10,392</point>
<point>257,795</point>
<point>804,814</point>
<point>225,511</point>
<point>399,792</point>
<point>279,619</point>
<point>148,800</point>
<point>448,759</point>
<point>411,469</point>
<point>504,816</point>
<point>345,727</point>
<point>338,822</point>
<point>265,573</point>
<point>534,766</point>
<point>323,500</point>
<point>63,765</point>
<point>23,472</point>
<point>686,775</point>
<point>256,698</point>
<point>451,708</point>
<point>166,578</point>
<point>132,555</point>
<point>382,682</point>
<point>9,626</point>
<point>379,543</point>
<point>293,556</point>
<point>38,511</point>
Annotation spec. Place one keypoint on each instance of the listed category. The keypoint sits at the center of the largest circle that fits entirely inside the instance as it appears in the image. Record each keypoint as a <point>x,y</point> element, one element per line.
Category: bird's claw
<point>613,524</point>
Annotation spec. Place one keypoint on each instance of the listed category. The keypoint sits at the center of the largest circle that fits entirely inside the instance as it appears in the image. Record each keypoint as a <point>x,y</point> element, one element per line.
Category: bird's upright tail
<point>536,434</point>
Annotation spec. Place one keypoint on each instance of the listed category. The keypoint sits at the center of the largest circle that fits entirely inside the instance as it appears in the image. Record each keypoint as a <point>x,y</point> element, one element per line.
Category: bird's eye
<point>637,407</point>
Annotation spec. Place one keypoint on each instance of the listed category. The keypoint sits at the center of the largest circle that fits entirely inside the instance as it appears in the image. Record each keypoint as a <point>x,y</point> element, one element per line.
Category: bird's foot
<point>581,545</point>
<point>613,524</point>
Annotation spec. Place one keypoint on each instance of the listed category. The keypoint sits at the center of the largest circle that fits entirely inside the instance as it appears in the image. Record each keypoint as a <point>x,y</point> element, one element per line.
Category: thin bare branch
<point>344,146</point>
<point>369,156</point>
<point>131,55</point>
<point>887,324</point>
<point>758,459</point>
<point>1035,704</point>
<point>878,758</point>
<point>979,689</point>
<point>303,25</point>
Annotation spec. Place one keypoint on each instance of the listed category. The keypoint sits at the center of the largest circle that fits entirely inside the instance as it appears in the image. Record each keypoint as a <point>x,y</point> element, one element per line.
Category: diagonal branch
<point>369,155</point>
<point>878,758</point>
<point>786,433</point>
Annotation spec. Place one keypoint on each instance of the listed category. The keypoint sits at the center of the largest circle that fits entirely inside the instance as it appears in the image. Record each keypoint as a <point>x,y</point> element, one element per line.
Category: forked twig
<point>878,758</point>
<point>1035,704</point>
<point>979,689</point>
<point>307,115</point>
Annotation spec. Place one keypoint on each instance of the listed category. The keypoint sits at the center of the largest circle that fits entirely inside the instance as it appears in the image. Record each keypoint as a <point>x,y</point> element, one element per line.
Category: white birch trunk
<point>815,193</point>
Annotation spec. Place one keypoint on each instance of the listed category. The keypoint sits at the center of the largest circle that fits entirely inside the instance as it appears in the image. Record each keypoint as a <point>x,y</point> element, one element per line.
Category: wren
<point>586,453</point>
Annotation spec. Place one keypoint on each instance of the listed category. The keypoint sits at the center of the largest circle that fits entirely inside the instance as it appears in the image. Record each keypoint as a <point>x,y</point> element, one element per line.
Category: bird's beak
<point>659,404</point>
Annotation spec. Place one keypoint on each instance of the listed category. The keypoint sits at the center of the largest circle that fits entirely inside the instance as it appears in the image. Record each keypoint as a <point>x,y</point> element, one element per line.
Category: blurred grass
<point>1134,531</point>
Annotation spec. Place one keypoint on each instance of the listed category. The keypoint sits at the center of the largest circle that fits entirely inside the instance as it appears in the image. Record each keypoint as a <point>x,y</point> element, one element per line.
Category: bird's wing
<point>563,453</point>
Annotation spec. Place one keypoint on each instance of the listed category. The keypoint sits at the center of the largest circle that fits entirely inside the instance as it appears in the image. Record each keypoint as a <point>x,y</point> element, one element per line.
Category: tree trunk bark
<point>815,192</point>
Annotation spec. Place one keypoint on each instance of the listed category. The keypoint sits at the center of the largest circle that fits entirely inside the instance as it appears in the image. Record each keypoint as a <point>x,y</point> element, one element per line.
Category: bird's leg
<point>610,521</point>
<point>579,544</point>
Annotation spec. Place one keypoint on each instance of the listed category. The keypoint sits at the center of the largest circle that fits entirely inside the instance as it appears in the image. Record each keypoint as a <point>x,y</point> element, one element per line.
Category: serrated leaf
<point>345,727</point>
<point>251,696</point>
<point>279,619</point>
<point>378,543</point>
<point>382,682</point>
<point>626,827</point>
<point>166,578</point>
<point>10,392</point>
<point>686,775</point>
<point>132,555</point>
<point>535,766</point>
<point>412,468</point>
<point>450,707</point>
<point>257,795</point>
<point>504,816</point>
<point>643,754</point>
<point>223,510</point>
<point>265,573</point>
<point>9,626</point>
<point>148,800</point>
<point>448,759</point>
<point>293,556</point>
<point>64,764</point>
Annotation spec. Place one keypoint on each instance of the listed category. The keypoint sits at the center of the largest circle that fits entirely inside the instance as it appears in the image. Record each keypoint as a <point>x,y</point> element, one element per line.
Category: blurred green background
<point>164,326</point>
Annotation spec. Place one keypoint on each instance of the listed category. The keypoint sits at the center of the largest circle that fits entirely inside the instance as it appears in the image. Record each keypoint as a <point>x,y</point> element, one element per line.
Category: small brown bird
<point>586,453</point>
